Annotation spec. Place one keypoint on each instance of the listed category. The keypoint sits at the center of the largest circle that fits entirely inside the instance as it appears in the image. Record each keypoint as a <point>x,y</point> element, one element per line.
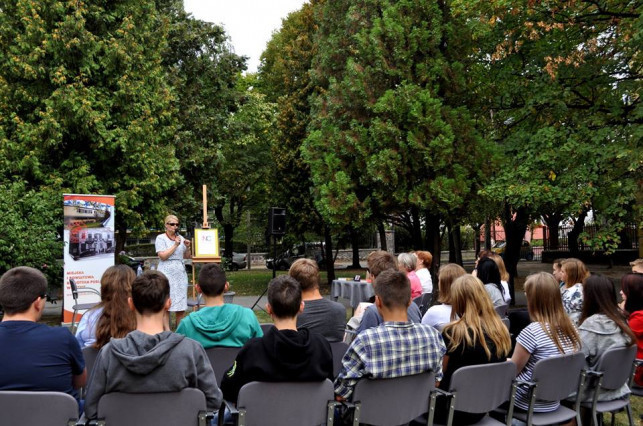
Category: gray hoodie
<point>599,333</point>
<point>142,363</point>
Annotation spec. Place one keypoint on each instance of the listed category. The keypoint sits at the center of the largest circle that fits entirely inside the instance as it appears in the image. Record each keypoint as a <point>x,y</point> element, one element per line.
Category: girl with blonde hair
<point>551,333</point>
<point>112,317</point>
<point>439,315</point>
<point>476,336</point>
<point>573,273</point>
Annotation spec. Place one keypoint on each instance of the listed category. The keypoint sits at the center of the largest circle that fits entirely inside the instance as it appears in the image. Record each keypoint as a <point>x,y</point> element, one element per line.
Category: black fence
<point>629,240</point>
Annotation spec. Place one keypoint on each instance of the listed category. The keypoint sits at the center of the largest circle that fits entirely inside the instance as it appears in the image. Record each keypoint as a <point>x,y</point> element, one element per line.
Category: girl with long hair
<point>632,292</point>
<point>602,326</point>
<point>573,273</point>
<point>489,274</point>
<point>438,316</point>
<point>551,333</point>
<point>504,276</point>
<point>112,317</point>
<point>476,336</point>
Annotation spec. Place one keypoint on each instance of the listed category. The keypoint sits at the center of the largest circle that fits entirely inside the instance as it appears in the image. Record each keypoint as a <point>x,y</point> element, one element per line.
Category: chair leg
<point>628,408</point>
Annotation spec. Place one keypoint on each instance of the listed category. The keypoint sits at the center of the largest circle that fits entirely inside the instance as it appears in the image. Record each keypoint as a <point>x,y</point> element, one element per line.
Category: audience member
<point>424,261</point>
<point>35,357</point>
<point>489,274</point>
<point>602,326</point>
<point>218,323</point>
<point>320,315</point>
<point>379,261</point>
<point>396,347</point>
<point>151,359</point>
<point>637,266</point>
<point>284,353</point>
<point>112,317</point>
<point>632,292</point>
<point>557,271</point>
<point>504,277</point>
<point>476,336</point>
<point>407,262</point>
<point>550,334</point>
<point>574,273</point>
<point>437,316</point>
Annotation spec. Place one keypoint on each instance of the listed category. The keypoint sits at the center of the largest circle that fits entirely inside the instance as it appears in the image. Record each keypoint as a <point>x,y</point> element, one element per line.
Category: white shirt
<point>437,316</point>
<point>425,279</point>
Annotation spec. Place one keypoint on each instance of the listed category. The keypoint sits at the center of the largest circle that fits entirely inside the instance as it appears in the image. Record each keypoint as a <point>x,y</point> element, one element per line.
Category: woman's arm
<point>165,254</point>
<point>520,357</point>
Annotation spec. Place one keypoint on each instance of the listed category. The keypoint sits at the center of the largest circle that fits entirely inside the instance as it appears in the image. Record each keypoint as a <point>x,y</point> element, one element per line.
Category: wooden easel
<point>196,258</point>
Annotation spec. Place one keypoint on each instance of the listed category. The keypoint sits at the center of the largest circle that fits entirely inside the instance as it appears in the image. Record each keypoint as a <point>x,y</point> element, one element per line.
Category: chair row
<point>474,389</point>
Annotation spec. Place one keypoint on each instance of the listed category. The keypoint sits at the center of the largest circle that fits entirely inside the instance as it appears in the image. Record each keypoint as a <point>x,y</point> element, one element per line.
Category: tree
<point>242,178</point>
<point>391,132</point>
<point>84,104</point>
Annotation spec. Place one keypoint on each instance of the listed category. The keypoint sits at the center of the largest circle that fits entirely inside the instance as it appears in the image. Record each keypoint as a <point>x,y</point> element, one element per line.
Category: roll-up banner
<point>89,247</point>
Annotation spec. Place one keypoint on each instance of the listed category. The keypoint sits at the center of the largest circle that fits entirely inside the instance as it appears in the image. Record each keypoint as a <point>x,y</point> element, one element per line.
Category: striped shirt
<point>392,349</point>
<point>534,339</point>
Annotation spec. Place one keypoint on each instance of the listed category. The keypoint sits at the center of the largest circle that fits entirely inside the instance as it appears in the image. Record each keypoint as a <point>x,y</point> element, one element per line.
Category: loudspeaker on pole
<point>276,221</point>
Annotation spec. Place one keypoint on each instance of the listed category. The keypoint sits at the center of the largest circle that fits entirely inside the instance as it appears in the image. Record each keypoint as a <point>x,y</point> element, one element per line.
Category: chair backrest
<point>37,408</point>
<point>424,302</point>
<point>502,310</point>
<point>506,322</point>
<point>90,353</point>
<point>482,388</point>
<point>285,403</point>
<point>221,359</point>
<point>616,365</point>
<point>74,288</point>
<point>558,376</point>
<point>159,409</point>
<point>338,349</point>
<point>393,401</point>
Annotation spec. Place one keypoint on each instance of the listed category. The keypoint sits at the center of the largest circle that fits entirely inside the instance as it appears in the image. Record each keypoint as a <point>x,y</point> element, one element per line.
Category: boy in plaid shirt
<point>396,347</point>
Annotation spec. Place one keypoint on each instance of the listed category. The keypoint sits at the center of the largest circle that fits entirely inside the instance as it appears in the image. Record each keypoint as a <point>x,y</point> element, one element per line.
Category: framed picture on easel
<point>206,243</point>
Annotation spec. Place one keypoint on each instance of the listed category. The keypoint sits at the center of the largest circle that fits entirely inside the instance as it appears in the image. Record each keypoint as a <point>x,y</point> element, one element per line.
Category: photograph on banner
<point>89,245</point>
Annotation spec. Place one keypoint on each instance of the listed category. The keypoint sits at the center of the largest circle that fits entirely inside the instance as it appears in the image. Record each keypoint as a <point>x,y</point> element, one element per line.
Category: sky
<point>248,23</point>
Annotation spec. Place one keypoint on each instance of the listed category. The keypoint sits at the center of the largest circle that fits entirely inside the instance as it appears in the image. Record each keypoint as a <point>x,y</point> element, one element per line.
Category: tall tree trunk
<point>552,220</point>
<point>416,234</point>
<point>515,224</point>
<point>451,242</point>
<point>476,239</point>
<point>355,248</point>
<point>382,232</point>
<point>487,234</point>
<point>121,238</point>
<point>455,243</point>
<point>330,261</point>
<point>572,237</point>
<point>433,240</point>
<point>228,230</point>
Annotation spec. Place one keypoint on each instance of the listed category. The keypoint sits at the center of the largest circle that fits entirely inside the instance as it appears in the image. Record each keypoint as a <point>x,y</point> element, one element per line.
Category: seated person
<point>320,315</point>
<point>151,359</point>
<point>396,347</point>
<point>284,353</point>
<point>437,316</point>
<point>218,324</point>
<point>424,260</point>
<point>407,262</point>
<point>379,261</point>
<point>489,274</point>
<point>35,357</point>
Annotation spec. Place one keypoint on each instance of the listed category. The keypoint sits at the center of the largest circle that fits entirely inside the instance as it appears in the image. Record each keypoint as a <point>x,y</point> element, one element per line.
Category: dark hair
<point>393,288</point>
<point>117,319</point>
<point>212,279</point>
<point>284,296</point>
<point>379,261</point>
<point>20,287</point>
<point>599,297</point>
<point>632,286</point>
<point>150,291</point>
<point>306,272</point>
<point>489,273</point>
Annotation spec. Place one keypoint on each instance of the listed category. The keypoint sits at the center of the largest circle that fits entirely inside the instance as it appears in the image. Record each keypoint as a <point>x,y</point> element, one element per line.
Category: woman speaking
<point>172,249</point>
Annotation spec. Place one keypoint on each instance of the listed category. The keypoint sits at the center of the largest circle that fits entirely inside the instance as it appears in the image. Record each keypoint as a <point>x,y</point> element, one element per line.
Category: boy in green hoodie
<point>218,324</point>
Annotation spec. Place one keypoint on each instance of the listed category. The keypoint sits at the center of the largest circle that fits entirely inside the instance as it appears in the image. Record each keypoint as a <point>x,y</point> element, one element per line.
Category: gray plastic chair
<point>75,291</point>
<point>614,369</point>
<point>338,349</point>
<point>37,408</point>
<point>554,379</point>
<point>502,310</point>
<point>286,403</point>
<point>265,326</point>
<point>221,359</point>
<point>396,401</point>
<point>424,302</point>
<point>186,407</point>
<point>89,353</point>
<point>480,389</point>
